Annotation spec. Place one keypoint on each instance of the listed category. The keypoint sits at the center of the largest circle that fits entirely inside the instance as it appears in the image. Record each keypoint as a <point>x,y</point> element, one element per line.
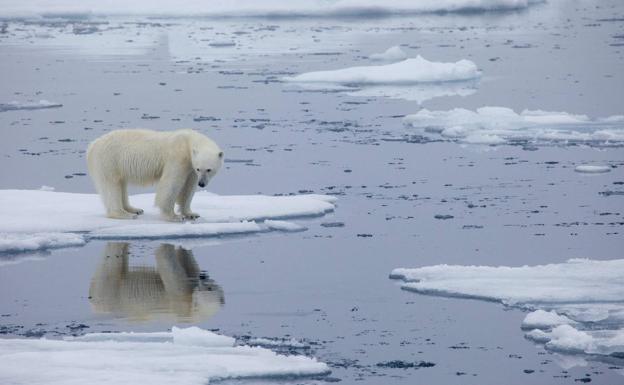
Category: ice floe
<point>283,8</point>
<point>581,300</point>
<point>15,106</point>
<point>408,71</point>
<point>500,125</point>
<point>19,242</point>
<point>414,79</point>
<point>392,54</point>
<point>36,219</point>
<point>190,356</point>
<point>592,169</point>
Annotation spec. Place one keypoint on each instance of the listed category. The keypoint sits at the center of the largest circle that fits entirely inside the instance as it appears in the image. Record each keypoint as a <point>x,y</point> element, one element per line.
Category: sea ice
<point>246,8</point>
<point>190,356</point>
<point>282,343</point>
<point>36,219</point>
<point>541,319</point>
<point>392,54</point>
<point>20,242</point>
<point>567,297</point>
<point>500,125</point>
<point>14,106</point>
<point>592,169</point>
<point>408,71</point>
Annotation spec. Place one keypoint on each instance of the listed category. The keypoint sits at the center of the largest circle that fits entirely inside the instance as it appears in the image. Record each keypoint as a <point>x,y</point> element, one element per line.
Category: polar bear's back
<point>136,155</point>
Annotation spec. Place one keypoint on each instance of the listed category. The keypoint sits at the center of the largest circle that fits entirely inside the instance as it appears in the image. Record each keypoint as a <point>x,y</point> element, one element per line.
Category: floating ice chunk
<point>275,343</point>
<point>581,292</point>
<point>541,319</point>
<point>409,71</point>
<point>498,125</point>
<point>392,54</point>
<point>46,188</point>
<point>575,281</point>
<point>566,338</point>
<point>27,212</point>
<point>183,356</point>
<point>19,242</point>
<point>252,8</point>
<point>592,169</point>
<point>14,106</point>
<point>538,335</point>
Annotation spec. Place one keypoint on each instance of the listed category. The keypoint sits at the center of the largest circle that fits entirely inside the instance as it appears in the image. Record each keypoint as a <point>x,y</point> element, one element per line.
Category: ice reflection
<point>175,288</point>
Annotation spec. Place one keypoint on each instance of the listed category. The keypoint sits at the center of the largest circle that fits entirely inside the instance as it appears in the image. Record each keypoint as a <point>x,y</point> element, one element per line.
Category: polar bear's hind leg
<point>111,193</point>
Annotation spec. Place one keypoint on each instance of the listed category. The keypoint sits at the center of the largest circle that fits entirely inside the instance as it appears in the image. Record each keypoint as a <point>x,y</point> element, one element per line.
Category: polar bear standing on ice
<point>176,160</point>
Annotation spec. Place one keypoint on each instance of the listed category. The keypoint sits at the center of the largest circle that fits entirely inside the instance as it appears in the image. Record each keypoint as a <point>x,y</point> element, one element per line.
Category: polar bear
<point>176,160</point>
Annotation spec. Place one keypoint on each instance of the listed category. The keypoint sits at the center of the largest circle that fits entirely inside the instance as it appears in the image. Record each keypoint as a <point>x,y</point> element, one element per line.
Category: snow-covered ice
<point>408,71</point>
<point>565,338</point>
<point>541,319</point>
<point>392,54</point>
<point>36,219</point>
<point>577,294</point>
<point>592,169</point>
<point>15,106</point>
<point>183,356</point>
<point>500,125</point>
<point>19,242</point>
<point>26,8</point>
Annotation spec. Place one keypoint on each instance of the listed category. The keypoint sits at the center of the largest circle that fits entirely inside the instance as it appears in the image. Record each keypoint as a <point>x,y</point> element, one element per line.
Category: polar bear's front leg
<point>186,196</point>
<point>169,187</point>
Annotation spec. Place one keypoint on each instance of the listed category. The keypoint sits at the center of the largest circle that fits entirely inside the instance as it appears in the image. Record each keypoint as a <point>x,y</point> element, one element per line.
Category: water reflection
<point>175,288</point>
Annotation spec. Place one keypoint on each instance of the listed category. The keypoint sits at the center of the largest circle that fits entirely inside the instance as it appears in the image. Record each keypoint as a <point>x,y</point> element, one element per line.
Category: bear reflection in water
<point>174,288</point>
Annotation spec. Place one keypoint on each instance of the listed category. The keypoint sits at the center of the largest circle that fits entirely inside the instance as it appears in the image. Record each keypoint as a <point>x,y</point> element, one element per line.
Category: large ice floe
<point>500,125</point>
<point>408,71</point>
<point>35,219</point>
<point>576,306</point>
<point>415,79</point>
<point>190,356</point>
<point>250,8</point>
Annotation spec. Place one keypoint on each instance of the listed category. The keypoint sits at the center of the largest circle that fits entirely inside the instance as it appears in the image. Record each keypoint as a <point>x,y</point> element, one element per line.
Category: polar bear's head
<point>206,160</point>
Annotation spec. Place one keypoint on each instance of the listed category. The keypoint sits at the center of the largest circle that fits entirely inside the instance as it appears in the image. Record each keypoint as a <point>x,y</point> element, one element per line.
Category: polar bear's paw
<point>134,210</point>
<point>174,218</point>
<point>190,216</point>
<point>121,215</point>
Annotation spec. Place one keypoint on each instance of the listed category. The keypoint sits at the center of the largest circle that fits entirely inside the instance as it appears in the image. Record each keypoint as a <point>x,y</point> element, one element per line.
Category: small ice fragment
<point>592,169</point>
<point>15,106</point>
<point>392,54</point>
<point>541,319</point>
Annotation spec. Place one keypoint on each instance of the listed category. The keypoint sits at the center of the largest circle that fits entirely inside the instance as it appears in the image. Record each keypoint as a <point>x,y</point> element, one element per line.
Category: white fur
<point>176,160</point>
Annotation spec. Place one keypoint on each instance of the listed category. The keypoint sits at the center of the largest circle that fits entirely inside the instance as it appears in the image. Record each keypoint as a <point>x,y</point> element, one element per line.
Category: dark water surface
<point>329,285</point>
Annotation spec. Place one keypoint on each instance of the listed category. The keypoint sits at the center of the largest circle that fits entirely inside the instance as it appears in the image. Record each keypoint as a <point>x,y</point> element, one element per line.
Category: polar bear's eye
<point>221,154</point>
<point>197,169</point>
